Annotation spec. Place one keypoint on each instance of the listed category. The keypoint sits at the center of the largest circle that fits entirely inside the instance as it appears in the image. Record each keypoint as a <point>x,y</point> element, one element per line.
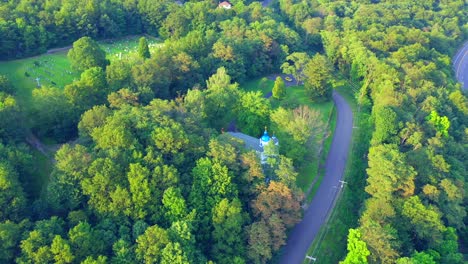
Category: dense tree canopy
<point>145,174</point>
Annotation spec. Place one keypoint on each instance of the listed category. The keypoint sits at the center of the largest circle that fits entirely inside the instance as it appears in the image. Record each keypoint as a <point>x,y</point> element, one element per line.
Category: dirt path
<point>52,51</point>
<point>46,150</point>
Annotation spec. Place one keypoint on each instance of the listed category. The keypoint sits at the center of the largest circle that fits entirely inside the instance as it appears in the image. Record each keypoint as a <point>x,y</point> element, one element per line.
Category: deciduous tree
<point>86,54</point>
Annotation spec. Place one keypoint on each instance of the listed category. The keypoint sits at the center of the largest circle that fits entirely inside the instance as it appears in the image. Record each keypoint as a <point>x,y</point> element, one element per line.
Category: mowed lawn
<point>48,70</point>
<point>54,70</point>
<point>296,95</point>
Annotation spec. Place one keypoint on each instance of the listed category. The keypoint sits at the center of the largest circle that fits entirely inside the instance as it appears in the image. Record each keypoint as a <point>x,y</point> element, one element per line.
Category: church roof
<point>265,137</point>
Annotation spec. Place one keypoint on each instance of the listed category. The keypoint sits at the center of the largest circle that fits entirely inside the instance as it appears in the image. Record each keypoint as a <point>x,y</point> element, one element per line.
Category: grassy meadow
<point>54,70</point>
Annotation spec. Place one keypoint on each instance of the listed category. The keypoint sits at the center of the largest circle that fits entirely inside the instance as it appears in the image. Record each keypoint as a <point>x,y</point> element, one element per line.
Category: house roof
<point>225,4</point>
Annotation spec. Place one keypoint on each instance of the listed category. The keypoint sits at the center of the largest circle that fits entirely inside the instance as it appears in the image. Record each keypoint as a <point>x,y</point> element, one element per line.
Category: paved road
<point>265,3</point>
<point>460,66</point>
<point>304,233</point>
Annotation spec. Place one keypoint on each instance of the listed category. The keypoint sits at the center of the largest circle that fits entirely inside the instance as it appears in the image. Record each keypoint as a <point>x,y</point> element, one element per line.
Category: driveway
<point>303,233</point>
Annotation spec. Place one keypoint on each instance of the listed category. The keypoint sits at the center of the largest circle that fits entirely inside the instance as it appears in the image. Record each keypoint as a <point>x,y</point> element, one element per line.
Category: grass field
<point>54,69</point>
<point>295,95</point>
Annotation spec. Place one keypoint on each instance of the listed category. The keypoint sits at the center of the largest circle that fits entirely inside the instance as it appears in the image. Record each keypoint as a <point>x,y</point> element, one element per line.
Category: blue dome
<point>265,137</point>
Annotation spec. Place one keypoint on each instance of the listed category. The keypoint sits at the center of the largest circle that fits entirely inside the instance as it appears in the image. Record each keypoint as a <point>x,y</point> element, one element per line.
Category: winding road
<point>303,234</point>
<point>316,214</point>
<point>460,66</point>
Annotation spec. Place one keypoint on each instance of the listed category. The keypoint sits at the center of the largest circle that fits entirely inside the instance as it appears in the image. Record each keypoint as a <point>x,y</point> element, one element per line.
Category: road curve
<point>460,66</point>
<point>304,232</point>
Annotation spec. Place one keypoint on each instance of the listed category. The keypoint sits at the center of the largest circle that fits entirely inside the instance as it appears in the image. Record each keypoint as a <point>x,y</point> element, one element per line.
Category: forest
<point>143,172</point>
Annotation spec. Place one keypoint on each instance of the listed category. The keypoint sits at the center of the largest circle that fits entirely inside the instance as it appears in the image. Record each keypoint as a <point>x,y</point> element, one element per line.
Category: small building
<point>265,139</point>
<point>225,5</point>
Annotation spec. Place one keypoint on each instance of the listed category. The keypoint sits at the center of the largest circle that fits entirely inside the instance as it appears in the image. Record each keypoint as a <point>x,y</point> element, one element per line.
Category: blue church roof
<point>265,137</point>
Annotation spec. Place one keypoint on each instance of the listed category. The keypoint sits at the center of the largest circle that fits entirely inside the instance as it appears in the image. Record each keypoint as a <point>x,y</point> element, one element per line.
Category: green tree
<point>54,116</point>
<point>5,85</point>
<point>143,50</point>
<point>357,249</point>
<point>424,219</point>
<point>119,75</point>
<point>86,54</point>
<point>138,178</point>
<point>389,174</point>
<point>318,78</point>
<point>61,250</point>
<point>84,241</point>
<point>154,74</point>
<point>12,196</point>
<point>123,252</point>
<point>221,98</point>
<point>253,112</point>
<point>286,173</point>
<point>122,97</point>
<point>89,91</point>
<point>63,190</point>
<point>35,247</point>
<point>10,236</point>
<point>386,123</point>
<point>440,123</point>
<point>93,118</point>
<point>227,234</point>
<point>151,244</point>
<point>173,253</point>
<point>295,65</point>
<point>279,89</point>
<point>92,260</point>
<point>11,124</point>
<point>259,242</point>
<point>174,205</point>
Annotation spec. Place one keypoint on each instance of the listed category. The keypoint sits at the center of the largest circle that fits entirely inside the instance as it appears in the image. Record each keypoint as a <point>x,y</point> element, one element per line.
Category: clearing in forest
<point>53,69</point>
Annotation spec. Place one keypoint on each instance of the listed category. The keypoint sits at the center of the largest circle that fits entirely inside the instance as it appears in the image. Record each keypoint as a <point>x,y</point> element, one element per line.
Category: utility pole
<point>342,183</point>
<point>310,258</point>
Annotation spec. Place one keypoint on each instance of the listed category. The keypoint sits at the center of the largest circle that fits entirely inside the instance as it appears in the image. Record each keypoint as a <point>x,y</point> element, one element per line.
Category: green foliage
<point>259,249</point>
<point>143,50</point>
<point>119,75</point>
<point>440,123</point>
<point>61,250</point>
<point>145,162</point>
<point>279,89</point>
<point>174,205</point>
<point>12,196</point>
<point>90,90</point>
<point>221,98</point>
<point>253,112</point>
<point>5,85</point>
<point>295,65</point>
<point>357,249</point>
<point>228,221</point>
<point>318,78</point>
<point>385,125</point>
<point>86,54</point>
<point>10,235</point>
<point>55,116</point>
<point>151,244</point>
<point>11,120</point>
